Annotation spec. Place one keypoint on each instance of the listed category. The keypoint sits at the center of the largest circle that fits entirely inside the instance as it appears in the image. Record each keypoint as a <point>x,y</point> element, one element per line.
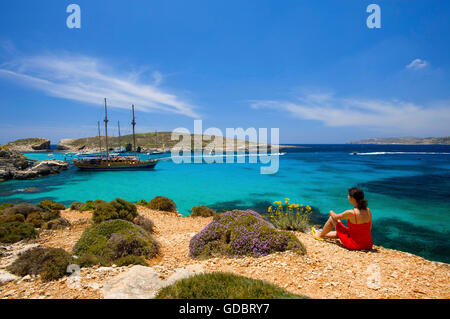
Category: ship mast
<point>106,131</point>
<point>118,125</point>
<point>134,135</point>
<point>99,137</point>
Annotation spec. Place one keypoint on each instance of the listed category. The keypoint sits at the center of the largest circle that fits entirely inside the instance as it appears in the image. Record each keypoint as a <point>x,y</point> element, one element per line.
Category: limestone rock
<point>140,282</point>
<point>6,277</point>
<point>179,274</point>
<point>29,145</point>
<point>195,268</point>
<point>43,145</point>
<point>14,165</point>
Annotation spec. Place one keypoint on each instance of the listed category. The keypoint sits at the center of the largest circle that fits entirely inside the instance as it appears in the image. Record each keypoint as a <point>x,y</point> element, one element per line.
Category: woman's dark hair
<point>358,195</point>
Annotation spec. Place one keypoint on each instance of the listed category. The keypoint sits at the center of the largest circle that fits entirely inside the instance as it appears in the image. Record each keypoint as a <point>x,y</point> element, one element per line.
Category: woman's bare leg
<point>327,229</point>
<point>331,234</point>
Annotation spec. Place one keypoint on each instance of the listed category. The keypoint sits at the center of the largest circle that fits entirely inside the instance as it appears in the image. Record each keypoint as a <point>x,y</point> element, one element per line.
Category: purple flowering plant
<point>241,233</point>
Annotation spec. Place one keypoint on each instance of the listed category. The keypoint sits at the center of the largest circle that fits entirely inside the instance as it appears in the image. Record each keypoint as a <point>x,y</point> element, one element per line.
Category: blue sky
<point>311,68</point>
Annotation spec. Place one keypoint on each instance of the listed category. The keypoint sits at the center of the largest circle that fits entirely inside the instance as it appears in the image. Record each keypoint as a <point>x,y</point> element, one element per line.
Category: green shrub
<point>50,215</point>
<point>91,260</point>
<point>35,219</point>
<point>144,222</point>
<point>5,206</point>
<point>23,209</point>
<point>130,260</point>
<point>126,210</point>
<point>76,206</point>
<point>103,212</point>
<point>58,223</point>
<point>89,205</point>
<point>113,239</point>
<point>116,209</point>
<point>50,205</point>
<point>202,211</point>
<point>163,204</point>
<point>13,232</point>
<point>223,286</point>
<point>142,202</point>
<point>241,233</point>
<point>29,214</point>
<point>291,216</point>
<point>7,218</point>
<point>49,263</point>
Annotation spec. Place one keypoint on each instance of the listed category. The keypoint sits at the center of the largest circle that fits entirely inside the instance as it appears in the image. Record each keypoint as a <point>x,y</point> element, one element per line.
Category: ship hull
<point>112,167</point>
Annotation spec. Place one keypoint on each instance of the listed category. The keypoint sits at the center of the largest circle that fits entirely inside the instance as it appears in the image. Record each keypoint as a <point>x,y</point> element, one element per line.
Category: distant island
<point>405,140</point>
<point>145,142</point>
<point>29,145</point>
<point>156,141</point>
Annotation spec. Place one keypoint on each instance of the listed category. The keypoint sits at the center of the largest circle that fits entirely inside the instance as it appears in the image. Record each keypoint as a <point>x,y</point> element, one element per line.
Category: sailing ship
<point>115,162</point>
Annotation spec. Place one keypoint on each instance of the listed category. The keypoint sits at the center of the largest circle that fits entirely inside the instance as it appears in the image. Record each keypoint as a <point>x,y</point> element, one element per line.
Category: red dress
<point>355,236</point>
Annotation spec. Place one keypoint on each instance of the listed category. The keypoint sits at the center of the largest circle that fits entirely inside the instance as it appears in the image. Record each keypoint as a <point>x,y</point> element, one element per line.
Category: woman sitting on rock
<point>357,236</point>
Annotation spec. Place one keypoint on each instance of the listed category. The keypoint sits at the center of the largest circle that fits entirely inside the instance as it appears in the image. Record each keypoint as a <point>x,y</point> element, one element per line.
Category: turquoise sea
<point>408,188</point>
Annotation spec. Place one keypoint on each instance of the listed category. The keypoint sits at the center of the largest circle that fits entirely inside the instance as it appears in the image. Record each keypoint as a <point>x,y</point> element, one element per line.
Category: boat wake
<point>401,153</point>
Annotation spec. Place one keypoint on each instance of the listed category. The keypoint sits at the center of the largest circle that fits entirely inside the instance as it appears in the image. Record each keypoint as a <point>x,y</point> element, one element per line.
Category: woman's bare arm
<point>345,215</point>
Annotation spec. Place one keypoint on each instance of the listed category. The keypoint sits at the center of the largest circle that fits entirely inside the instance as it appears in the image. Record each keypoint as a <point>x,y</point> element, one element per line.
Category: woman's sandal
<point>314,233</point>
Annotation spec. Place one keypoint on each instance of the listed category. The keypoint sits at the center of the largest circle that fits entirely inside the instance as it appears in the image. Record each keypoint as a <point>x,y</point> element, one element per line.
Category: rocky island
<point>405,140</point>
<point>14,165</point>
<point>36,144</point>
<point>160,141</point>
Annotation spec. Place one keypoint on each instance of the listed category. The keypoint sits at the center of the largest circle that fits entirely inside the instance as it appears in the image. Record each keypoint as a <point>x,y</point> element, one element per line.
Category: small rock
<point>180,273</point>
<point>93,285</point>
<point>139,282</point>
<point>7,277</point>
<point>196,268</point>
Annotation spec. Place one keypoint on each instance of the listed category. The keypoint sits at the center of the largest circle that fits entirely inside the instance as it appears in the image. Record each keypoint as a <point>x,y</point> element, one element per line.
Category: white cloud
<point>417,64</point>
<point>390,116</point>
<point>89,80</point>
<point>158,77</point>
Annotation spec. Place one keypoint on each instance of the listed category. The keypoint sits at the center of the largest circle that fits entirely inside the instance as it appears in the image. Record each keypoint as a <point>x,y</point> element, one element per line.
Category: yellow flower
<point>269,209</point>
<point>308,207</point>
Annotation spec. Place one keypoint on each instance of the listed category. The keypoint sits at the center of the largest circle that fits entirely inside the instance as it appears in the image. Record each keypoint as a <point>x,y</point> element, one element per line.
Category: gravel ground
<point>327,271</point>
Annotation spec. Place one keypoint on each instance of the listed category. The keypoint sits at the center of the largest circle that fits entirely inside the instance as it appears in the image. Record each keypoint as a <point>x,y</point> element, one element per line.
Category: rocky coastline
<point>14,165</point>
<point>29,145</point>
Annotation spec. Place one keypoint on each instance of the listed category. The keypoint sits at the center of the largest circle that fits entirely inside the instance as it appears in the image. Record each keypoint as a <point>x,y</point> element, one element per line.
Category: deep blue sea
<point>408,188</point>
